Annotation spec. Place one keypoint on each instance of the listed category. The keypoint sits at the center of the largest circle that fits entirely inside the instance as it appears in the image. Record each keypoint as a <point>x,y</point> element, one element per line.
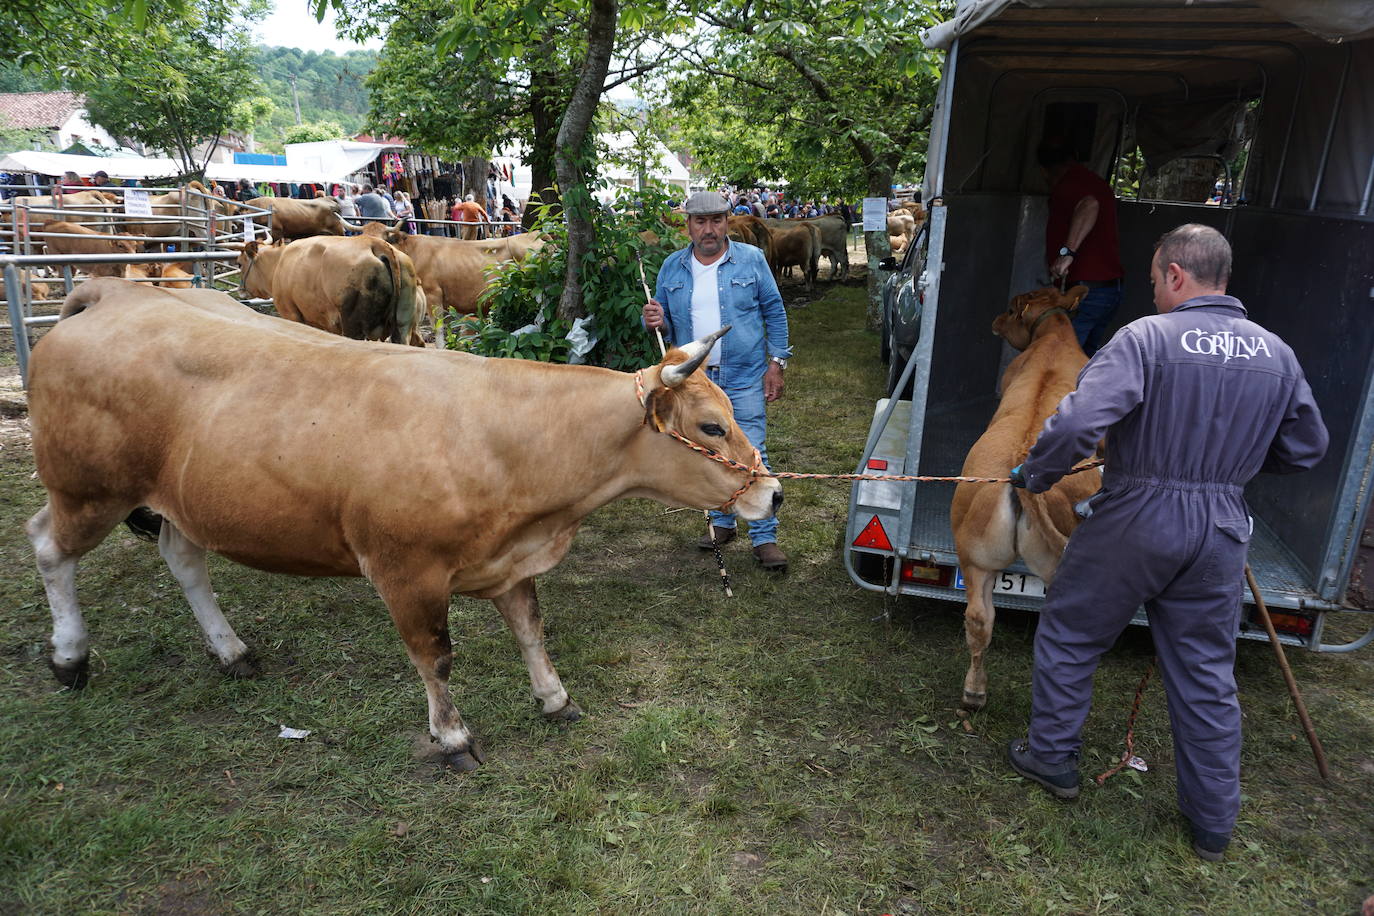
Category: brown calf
<point>994,523</point>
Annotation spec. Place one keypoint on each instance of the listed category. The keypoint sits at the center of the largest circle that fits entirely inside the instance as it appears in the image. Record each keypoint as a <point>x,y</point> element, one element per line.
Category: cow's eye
<point>711,429</point>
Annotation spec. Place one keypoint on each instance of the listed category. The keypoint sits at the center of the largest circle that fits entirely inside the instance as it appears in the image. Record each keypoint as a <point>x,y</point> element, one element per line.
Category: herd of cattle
<point>112,385</point>
<point>382,284</point>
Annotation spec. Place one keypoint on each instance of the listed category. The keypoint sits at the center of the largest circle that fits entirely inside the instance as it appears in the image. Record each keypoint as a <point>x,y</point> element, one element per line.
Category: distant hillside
<point>329,85</point>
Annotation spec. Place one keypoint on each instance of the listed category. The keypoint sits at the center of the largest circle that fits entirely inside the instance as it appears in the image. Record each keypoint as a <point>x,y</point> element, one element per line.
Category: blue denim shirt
<point>749,302</point>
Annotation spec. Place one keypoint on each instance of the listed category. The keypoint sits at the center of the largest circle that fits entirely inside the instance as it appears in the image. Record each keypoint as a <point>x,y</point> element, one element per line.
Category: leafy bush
<point>526,293</point>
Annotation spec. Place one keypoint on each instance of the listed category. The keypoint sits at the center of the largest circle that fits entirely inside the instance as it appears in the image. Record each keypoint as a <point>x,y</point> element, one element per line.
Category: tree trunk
<point>572,143</point>
<point>475,178</point>
<point>544,112</point>
<point>876,244</point>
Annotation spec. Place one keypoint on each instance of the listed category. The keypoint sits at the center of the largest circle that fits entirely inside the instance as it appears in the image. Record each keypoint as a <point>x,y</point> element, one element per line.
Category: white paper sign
<point>136,203</point>
<point>250,231</point>
<point>875,214</point>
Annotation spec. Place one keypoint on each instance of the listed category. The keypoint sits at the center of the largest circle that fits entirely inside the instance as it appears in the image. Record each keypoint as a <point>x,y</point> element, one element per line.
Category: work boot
<point>1209,846</point>
<point>723,537</point>
<point>771,557</point>
<point>1061,779</point>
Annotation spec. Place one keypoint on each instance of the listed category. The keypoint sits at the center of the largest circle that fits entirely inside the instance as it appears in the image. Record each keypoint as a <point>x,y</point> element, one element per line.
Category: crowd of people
<point>766,203</point>
<point>359,204</point>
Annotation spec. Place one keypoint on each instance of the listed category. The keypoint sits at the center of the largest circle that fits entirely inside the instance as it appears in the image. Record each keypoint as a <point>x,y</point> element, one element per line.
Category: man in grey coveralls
<point>1194,402</point>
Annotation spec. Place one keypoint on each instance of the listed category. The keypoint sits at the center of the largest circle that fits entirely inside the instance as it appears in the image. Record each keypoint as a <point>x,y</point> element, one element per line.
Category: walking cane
<point>1293,691</point>
<point>710,529</point>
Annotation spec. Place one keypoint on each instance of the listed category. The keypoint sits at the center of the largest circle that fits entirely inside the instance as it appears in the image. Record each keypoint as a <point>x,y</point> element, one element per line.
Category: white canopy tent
<point>58,163</point>
<point>325,162</point>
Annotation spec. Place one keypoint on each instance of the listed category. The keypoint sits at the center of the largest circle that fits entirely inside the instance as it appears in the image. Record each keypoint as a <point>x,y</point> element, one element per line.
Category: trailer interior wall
<point>1308,274</point>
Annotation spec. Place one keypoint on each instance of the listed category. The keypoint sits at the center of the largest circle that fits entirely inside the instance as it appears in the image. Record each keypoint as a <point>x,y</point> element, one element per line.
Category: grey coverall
<point>1194,403</point>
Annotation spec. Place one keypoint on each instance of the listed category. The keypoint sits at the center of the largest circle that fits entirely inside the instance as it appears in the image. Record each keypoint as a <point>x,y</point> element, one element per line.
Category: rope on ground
<point>1127,757</point>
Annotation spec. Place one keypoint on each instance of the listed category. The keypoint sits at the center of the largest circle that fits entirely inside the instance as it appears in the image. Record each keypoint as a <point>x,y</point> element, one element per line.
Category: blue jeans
<point>1094,314</point>
<point>749,414</point>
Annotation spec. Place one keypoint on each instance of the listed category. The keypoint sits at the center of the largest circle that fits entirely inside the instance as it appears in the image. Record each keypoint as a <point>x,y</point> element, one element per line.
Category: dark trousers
<point>1180,551</point>
<point>1094,316</point>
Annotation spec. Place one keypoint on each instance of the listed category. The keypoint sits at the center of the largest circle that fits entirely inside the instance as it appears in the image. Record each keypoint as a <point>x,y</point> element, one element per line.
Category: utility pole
<point>294,97</point>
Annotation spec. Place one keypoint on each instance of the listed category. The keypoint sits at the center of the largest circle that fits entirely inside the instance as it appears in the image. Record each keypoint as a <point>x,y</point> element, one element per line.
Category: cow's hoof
<point>240,669</point>
<point>466,760</point>
<point>974,701</point>
<point>75,675</point>
<point>569,713</point>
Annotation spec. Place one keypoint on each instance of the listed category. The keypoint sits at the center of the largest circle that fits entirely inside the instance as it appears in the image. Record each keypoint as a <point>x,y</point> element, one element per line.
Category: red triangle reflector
<point>873,536</point>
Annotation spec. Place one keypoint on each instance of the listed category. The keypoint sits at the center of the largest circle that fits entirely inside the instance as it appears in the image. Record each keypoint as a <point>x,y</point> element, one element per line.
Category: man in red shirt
<point>1081,240</point>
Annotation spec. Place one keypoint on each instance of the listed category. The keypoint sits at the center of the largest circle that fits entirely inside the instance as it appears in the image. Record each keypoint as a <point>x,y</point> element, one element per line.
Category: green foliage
<point>527,292</point>
<point>817,92</point>
<point>14,78</point>
<point>313,131</point>
<point>414,87</point>
<point>176,83</point>
<point>18,138</point>
<point>330,88</point>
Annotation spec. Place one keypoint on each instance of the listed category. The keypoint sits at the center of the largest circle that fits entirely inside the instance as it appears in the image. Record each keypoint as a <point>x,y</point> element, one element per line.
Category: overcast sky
<point>291,25</point>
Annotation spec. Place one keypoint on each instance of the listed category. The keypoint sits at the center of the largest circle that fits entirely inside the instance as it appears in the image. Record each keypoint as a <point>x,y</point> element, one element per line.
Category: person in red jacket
<point>1082,245</point>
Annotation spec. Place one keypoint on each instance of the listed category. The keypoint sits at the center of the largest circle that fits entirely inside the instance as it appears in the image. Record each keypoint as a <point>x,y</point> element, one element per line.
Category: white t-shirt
<point>706,303</point>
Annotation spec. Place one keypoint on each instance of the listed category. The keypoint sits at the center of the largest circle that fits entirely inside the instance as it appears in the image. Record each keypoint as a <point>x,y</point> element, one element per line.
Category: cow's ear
<point>1073,297</point>
<point>251,249</point>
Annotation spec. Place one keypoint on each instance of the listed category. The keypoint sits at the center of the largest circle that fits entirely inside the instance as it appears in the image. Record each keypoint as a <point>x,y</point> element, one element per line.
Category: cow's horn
<point>696,351</point>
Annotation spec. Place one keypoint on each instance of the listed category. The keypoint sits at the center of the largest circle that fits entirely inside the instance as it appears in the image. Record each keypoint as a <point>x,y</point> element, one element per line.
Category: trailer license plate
<point>1009,583</point>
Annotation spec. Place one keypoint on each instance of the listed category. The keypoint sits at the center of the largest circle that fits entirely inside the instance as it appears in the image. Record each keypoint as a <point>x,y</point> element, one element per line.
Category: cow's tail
<point>145,523</point>
<point>80,299</point>
<point>402,310</point>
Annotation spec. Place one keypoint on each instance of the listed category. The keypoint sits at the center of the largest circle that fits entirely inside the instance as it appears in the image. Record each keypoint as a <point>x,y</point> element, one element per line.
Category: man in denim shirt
<point>712,283</point>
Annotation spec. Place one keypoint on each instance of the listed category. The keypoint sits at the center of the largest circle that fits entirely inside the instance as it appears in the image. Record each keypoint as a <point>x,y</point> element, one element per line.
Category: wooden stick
<point>1293,691</point>
<point>662,349</point>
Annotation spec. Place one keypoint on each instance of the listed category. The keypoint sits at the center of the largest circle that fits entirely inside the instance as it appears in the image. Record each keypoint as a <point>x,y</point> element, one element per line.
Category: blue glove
<point>1017,478</point>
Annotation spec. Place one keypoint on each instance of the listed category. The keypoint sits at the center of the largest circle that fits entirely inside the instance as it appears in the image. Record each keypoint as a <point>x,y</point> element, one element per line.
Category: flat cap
<point>706,203</point>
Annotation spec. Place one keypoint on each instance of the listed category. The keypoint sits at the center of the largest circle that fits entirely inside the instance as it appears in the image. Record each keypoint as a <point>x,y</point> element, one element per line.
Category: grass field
<point>787,751</point>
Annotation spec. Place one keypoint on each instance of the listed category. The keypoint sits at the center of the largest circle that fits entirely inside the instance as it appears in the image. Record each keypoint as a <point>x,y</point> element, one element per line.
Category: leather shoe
<point>1209,846</point>
<point>1059,779</point>
<point>723,537</point>
<point>771,557</point>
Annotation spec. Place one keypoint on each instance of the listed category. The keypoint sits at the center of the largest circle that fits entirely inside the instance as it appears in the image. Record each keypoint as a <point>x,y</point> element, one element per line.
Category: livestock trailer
<point>1266,108</point>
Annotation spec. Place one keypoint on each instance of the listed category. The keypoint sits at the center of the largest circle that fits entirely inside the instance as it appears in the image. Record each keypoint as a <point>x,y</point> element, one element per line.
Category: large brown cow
<point>453,272</point>
<point>747,228</point>
<point>88,241</point>
<point>994,523</point>
<point>359,287</point>
<point>798,245</point>
<point>833,235</point>
<point>300,219</point>
<point>295,451</point>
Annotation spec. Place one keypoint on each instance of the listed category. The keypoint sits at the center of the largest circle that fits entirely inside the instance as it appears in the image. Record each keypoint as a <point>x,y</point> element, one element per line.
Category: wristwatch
<point>1066,251</point>
<point>782,363</point>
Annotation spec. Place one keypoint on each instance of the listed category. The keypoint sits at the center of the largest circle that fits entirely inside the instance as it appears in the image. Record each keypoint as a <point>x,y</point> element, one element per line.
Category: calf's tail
<point>1034,506</point>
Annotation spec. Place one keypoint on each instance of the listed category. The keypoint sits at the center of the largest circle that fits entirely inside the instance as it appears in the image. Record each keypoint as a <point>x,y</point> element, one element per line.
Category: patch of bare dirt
<point>14,410</point>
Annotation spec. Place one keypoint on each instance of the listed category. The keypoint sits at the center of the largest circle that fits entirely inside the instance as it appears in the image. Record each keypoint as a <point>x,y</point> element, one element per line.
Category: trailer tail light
<point>926,573</point>
<point>877,464</point>
<point>873,536</point>
<point>1294,624</point>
